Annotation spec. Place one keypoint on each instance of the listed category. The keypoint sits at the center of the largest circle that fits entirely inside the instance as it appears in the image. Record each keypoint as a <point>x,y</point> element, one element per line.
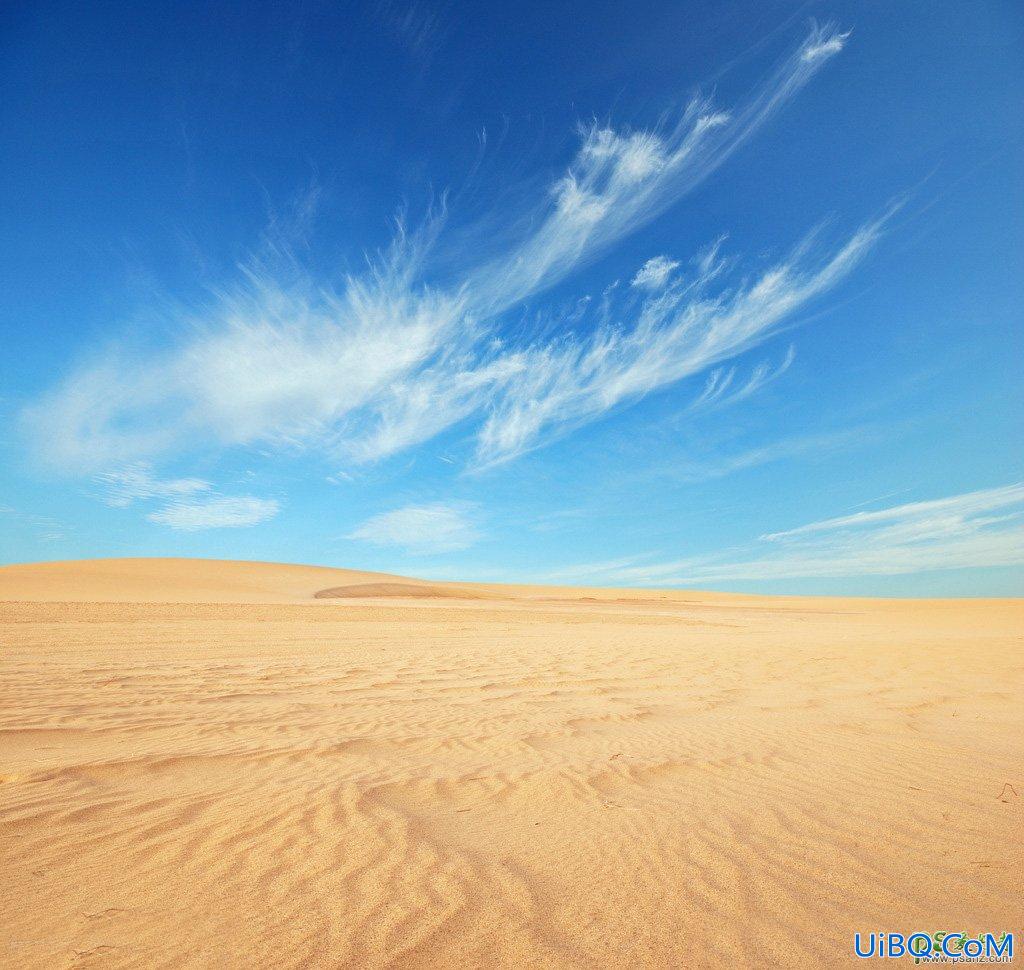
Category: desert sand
<point>222,764</point>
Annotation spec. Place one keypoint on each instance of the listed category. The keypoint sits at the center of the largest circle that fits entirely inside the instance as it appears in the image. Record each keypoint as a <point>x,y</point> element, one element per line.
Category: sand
<point>206,764</point>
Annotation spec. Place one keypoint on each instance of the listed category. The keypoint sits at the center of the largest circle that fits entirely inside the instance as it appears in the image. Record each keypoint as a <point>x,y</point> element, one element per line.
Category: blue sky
<point>710,295</point>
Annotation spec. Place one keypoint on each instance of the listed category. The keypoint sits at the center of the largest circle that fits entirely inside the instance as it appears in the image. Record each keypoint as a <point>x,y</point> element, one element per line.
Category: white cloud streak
<point>801,446</point>
<point>190,504</point>
<point>721,388</point>
<point>136,481</point>
<point>969,531</point>
<point>655,273</point>
<point>420,529</point>
<point>621,180</point>
<point>677,334</point>
<point>217,512</point>
<point>383,362</point>
<point>949,513</point>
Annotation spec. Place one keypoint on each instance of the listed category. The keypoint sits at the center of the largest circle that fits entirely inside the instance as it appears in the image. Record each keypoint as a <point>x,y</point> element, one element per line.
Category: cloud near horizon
<point>968,531</point>
<point>421,529</point>
<point>366,368</point>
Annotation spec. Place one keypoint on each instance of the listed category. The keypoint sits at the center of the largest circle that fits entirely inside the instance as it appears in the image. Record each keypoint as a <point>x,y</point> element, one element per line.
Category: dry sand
<point>203,764</point>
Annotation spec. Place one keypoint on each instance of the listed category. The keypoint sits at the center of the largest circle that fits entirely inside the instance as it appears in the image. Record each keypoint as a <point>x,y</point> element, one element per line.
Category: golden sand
<point>204,764</point>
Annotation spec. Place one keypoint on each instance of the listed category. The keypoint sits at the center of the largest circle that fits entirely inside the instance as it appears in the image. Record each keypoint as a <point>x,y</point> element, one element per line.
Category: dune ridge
<point>400,591</point>
<point>256,765</point>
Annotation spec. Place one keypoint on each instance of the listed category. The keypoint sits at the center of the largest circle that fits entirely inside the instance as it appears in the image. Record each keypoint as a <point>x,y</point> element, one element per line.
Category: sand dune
<point>400,591</point>
<point>207,764</point>
<point>174,581</point>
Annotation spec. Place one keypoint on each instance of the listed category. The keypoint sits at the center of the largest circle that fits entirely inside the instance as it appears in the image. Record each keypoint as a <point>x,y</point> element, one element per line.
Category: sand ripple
<point>518,783</point>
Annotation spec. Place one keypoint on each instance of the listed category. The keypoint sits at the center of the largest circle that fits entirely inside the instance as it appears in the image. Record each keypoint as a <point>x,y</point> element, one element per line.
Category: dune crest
<point>398,591</point>
<point>310,767</point>
<point>174,581</point>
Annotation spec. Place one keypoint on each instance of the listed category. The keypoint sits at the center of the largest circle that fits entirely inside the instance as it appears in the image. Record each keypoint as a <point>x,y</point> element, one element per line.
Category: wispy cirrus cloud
<point>946,516</point>
<point>678,334</point>
<point>807,446</point>
<point>620,180</point>
<point>722,388</point>
<point>655,273</point>
<point>417,26</point>
<point>136,481</point>
<point>43,527</point>
<point>189,504</point>
<point>421,529</point>
<point>371,365</point>
<point>215,512</point>
<point>972,530</point>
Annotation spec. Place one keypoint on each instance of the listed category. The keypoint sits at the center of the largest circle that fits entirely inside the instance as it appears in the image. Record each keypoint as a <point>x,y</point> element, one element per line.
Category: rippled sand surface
<point>244,765</point>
